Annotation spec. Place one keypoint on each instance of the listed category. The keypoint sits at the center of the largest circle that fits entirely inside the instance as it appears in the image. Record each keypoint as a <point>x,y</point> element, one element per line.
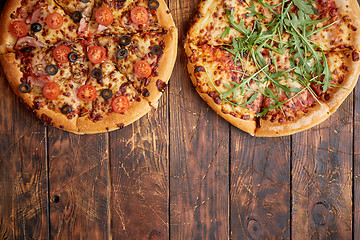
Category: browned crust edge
<point>164,16</point>
<point>314,116</point>
<point>351,8</point>
<point>351,78</point>
<point>113,121</point>
<point>13,74</point>
<point>248,126</point>
<point>7,40</point>
<point>165,67</point>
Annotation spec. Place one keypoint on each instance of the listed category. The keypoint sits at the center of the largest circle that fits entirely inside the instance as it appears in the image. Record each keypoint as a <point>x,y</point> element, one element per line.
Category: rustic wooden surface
<point>181,172</point>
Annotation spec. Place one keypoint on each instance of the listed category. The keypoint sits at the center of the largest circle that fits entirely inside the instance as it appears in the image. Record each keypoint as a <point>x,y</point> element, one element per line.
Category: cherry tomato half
<point>142,68</point>
<point>139,15</point>
<point>18,29</point>
<point>87,92</point>
<point>51,90</point>
<point>120,104</point>
<point>96,54</point>
<point>104,16</point>
<point>54,20</point>
<point>61,53</point>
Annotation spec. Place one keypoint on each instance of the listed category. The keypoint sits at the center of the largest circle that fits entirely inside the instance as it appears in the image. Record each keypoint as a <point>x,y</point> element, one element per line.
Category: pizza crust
<point>165,67</point>
<point>248,126</point>
<point>340,94</point>
<point>313,117</point>
<point>113,121</point>
<point>164,16</point>
<point>7,40</point>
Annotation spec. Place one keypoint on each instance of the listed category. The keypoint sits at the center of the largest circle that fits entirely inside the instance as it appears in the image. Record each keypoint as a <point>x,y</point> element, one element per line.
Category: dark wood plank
<point>356,178</point>
<point>23,178</point>
<point>322,178</point>
<point>78,178</point>
<point>199,153</point>
<point>260,189</point>
<point>139,175</point>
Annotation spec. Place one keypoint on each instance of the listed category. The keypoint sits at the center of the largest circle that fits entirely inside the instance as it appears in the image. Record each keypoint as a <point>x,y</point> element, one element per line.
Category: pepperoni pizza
<point>88,66</point>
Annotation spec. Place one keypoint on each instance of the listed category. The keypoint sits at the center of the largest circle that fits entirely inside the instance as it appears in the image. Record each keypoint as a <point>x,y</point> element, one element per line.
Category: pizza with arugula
<point>88,66</point>
<point>274,67</point>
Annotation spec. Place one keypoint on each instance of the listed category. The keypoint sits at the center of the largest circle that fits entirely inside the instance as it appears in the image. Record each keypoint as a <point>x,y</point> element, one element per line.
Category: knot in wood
<point>320,213</point>
<point>55,198</point>
<point>254,229</point>
<point>154,235</point>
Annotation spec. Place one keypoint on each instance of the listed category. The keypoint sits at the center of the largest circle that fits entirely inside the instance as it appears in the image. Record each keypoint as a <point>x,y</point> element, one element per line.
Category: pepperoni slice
<point>54,20</point>
<point>142,68</point>
<point>104,16</point>
<point>120,104</point>
<point>96,54</point>
<point>51,90</point>
<point>18,29</point>
<point>61,53</point>
<point>87,92</point>
<point>139,15</point>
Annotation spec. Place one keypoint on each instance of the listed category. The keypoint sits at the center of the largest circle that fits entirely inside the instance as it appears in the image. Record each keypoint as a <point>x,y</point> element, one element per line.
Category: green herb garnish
<point>264,40</point>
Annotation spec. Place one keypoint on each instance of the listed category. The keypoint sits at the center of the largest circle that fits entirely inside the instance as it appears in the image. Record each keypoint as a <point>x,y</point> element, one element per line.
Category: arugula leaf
<point>254,12</point>
<point>239,27</point>
<point>226,32</point>
<point>305,6</point>
<point>250,100</point>
<point>326,73</point>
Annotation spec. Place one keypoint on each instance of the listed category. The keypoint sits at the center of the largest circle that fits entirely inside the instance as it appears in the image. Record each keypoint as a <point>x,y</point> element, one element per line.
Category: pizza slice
<point>108,101</point>
<point>146,59</point>
<point>44,85</point>
<point>285,111</point>
<point>117,16</point>
<point>344,67</point>
<point>80,12</point>
<point>219,22</point>
<point>37,24</point>
<point>340,24</point>
<point>232,89</point>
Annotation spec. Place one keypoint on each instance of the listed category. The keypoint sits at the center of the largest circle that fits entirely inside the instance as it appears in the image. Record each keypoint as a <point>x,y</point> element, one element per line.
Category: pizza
<point>274,67</point>
<point>88,66</point>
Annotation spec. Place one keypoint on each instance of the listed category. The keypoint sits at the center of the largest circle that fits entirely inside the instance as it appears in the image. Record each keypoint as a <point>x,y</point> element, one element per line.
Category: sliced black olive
<point>25,88</point>
<point>122,53</point>
<point>157,49</point>
<point>73,57</point>
<point>96,73</point>
<point>52,69</point>
<point>76,16</point>
<point>26,50</point>
<point>125,40</point>
<point>36,27</point>
<point>85,1</point>
<point>153,4</point>
<point>106,93</point>
<point>66,109</point>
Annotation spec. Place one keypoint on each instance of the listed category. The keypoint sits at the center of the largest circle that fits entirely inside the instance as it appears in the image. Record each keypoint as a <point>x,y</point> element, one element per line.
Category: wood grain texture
<point>78,178</point>
<point>139,175</point>
<point>356,178</point>
<point>199,153</point>
<point>322,178</point>
<point>260,189</point>
<point>23,179</point>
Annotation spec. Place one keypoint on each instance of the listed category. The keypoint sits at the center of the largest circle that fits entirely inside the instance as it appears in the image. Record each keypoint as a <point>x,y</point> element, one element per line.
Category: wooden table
<point>181,172</point>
